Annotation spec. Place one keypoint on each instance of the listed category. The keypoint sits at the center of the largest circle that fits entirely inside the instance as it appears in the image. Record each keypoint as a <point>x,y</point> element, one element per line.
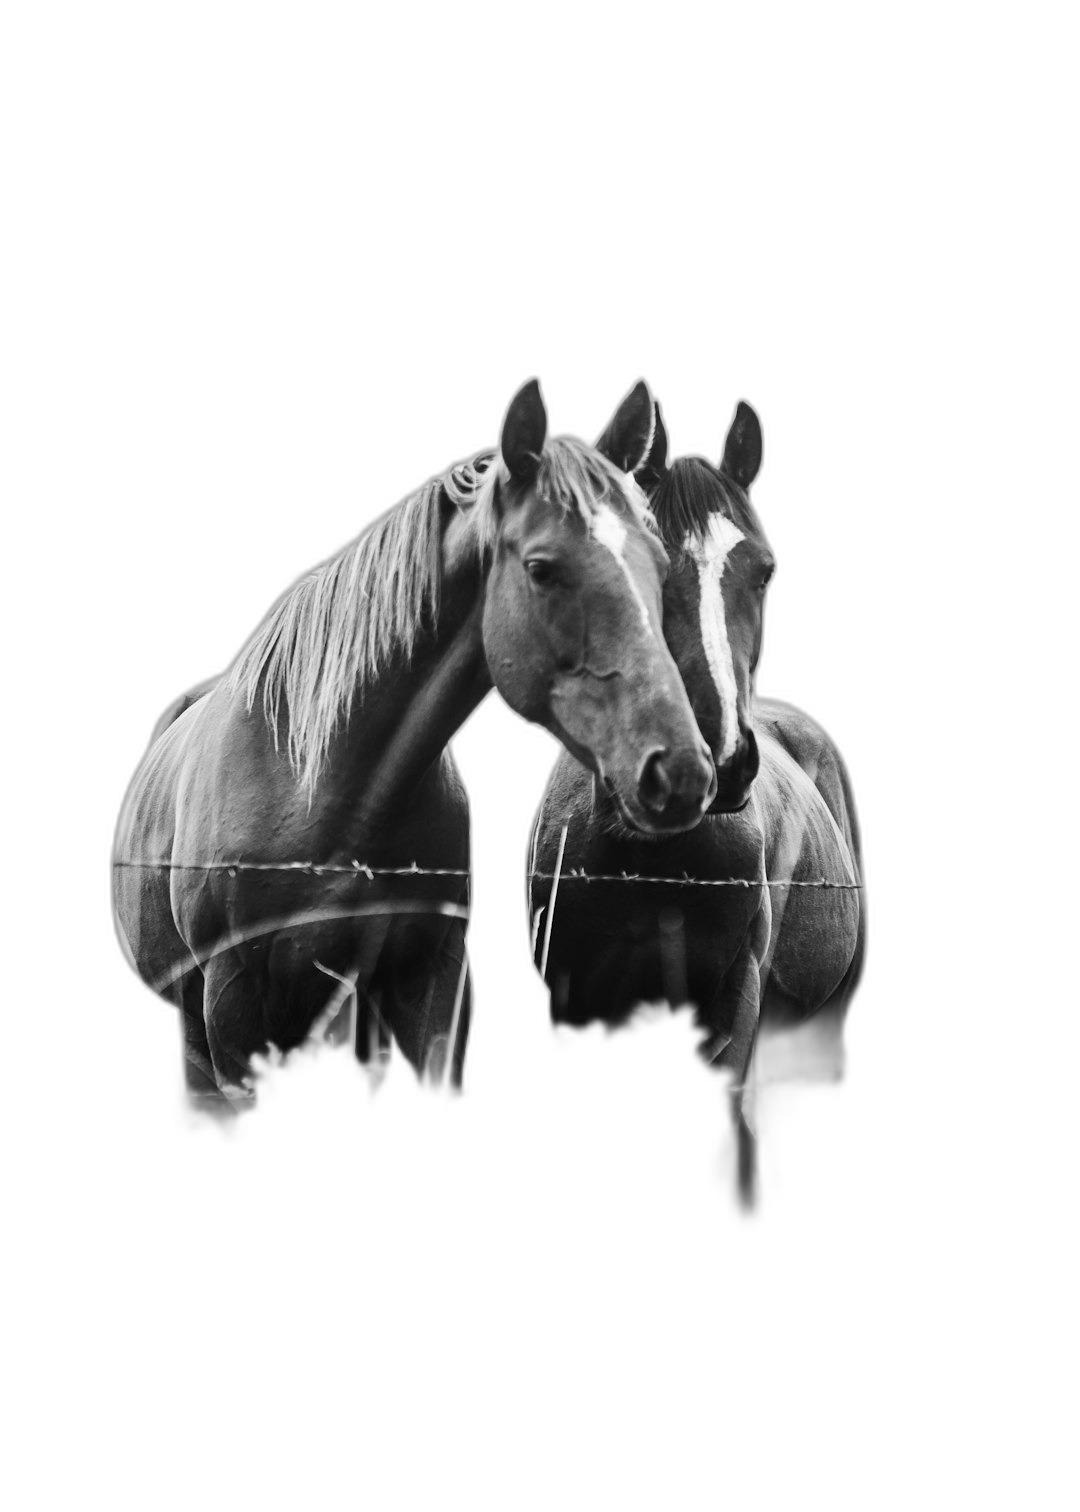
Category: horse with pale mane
<point>297,835</point>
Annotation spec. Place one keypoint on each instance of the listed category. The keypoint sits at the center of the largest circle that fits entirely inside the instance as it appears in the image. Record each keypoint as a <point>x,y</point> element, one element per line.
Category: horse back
<point>181,705</point>
<point>816,753</point>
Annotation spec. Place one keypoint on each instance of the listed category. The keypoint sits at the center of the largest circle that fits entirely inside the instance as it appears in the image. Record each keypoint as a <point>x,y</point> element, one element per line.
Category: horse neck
<point>403,719</point>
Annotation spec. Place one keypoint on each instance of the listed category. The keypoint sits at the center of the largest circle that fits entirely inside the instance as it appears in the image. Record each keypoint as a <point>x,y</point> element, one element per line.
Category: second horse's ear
<point>653,470</point>
<point>742,449</point>
<point>523,433</point>
<point>625,441</point>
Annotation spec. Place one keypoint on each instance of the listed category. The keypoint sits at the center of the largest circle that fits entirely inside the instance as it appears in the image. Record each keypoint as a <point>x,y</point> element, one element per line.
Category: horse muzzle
<point>736,777</point>
<point>675,789</point>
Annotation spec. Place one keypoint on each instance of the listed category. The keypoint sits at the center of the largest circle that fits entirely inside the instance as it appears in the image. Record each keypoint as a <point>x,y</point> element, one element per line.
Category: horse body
<point>254,880</point>
<point>755,917</point>
<point>255,956</point>
<point>755,960</point>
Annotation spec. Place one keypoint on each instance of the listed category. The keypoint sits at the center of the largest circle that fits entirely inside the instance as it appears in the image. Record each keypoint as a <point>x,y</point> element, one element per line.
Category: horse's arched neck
<point>402,722</point>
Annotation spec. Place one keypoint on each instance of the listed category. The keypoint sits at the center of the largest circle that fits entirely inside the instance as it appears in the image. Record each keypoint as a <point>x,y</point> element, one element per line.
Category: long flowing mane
<point>689,494</point>
<point>336,629</point>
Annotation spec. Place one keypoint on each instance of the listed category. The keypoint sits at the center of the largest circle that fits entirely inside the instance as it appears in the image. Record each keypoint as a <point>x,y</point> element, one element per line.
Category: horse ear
<point>742,449</point>
<point>625,442</point>
<point>523,432</point>
<point>653,469</point>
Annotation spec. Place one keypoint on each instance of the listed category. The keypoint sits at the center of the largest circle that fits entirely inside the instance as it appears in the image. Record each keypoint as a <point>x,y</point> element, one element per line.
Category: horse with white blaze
<point>757,916</point>
<point>298,835</point>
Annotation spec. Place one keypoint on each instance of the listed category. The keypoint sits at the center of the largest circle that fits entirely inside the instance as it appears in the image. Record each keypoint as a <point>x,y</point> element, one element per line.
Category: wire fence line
<point>571,874</point>
<point>670,945</point>
<point>309,868</point>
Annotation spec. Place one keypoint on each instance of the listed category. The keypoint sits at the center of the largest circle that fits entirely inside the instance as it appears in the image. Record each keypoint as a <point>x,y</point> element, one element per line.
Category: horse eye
<point>766,578</point>
<point>541,572</point>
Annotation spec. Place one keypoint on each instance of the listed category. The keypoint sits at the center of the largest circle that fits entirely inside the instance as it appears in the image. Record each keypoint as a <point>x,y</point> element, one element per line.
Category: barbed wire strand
<point>312,868</point>
<point>558,876</point>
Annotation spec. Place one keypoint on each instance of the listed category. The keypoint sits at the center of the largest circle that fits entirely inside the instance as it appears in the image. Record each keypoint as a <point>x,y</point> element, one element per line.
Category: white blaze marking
<point>710,556</point>
<point>610,531</point>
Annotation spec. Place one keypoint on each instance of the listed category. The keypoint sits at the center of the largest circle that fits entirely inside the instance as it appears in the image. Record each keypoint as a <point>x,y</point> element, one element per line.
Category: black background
<point>271,392</point>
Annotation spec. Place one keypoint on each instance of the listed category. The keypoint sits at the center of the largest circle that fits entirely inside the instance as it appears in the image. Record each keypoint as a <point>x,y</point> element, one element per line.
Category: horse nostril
<point>654,784</point>
<point>710,791</point>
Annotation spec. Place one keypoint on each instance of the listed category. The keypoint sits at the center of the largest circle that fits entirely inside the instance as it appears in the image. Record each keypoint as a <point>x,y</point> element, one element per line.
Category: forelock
<point>579,479</point>
<point>690,494</point>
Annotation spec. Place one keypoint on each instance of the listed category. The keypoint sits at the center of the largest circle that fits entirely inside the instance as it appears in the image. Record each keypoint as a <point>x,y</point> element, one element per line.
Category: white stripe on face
<point>710,557</point>
<point>610,531</point>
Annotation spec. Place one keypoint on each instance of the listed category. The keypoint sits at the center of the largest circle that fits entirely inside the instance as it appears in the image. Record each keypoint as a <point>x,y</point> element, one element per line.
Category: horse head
<point>714,596</point>
<point>573,615</point>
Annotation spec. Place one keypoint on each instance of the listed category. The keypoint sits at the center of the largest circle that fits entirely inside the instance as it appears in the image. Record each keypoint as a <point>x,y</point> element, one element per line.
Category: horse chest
<point>607,957</point>
<point>659,933</point>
